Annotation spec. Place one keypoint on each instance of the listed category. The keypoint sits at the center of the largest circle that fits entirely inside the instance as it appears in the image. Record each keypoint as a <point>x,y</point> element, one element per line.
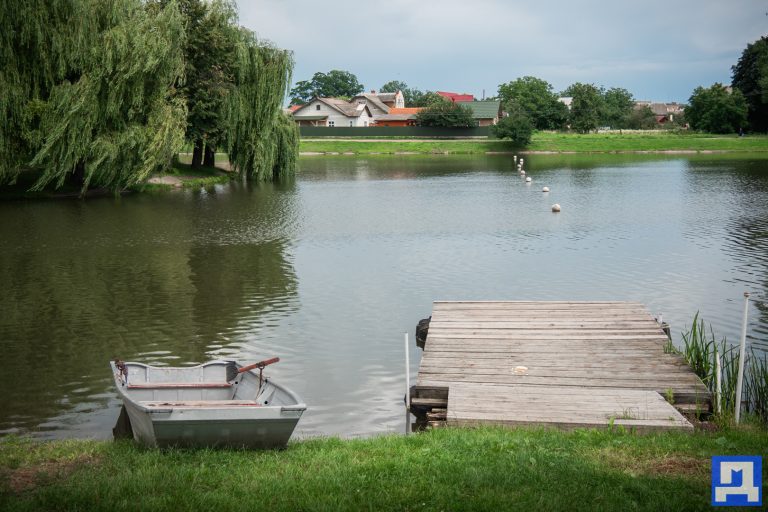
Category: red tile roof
<point>454,96</point>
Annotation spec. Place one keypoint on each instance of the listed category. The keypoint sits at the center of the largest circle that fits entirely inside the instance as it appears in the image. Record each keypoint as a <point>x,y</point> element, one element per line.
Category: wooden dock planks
<point>561,406</point>
<point>593,347</point>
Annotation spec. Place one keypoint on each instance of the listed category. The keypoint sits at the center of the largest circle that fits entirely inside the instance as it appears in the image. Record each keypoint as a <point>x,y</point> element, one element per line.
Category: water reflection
<point>86,282</point>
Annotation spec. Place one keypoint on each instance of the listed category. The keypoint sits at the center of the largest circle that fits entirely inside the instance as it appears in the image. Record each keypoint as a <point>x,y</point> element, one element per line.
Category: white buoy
<point>555,207</point>
<point>515,158</point>
<point>522,160</point>
<point>522,173</point>
<point>545,189</point>
<point>528,179</point>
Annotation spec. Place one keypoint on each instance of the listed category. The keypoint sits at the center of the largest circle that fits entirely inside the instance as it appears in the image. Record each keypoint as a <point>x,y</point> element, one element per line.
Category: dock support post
<point>742,355</point>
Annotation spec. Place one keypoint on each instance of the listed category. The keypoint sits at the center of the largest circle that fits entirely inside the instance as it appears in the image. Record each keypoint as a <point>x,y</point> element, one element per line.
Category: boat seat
<point>179,385</point>
<point>200,403</point>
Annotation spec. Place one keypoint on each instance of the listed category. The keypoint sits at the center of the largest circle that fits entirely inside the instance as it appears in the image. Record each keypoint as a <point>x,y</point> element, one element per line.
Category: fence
<point>394,131</point>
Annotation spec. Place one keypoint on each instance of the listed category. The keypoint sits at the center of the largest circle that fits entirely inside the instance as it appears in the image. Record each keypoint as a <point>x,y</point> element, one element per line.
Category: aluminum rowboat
<point>219,403</point>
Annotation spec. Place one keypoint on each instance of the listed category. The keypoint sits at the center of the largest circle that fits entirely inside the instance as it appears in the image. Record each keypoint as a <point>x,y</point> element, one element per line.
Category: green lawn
<point>445,469</point>
<point>549,142</point>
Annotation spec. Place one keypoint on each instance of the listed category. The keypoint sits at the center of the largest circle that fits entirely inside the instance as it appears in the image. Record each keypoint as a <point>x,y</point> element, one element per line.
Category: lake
<point>329,270</point>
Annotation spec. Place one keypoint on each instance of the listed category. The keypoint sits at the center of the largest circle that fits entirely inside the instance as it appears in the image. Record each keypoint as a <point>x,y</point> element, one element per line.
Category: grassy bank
<point>447,469</point>
<point>548,142</point>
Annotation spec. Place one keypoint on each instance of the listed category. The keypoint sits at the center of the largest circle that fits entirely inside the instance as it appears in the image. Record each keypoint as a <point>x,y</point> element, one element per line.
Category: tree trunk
<point>209,158</point>
<point>197,154</point>
<point>78,174</point>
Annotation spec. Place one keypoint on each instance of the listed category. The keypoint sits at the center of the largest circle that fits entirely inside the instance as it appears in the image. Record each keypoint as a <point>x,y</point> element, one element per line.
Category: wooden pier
<point>564,364</point>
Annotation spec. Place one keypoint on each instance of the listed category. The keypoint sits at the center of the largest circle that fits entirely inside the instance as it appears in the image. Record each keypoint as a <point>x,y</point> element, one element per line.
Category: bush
<point>446,114</point>
<point>517,127</point>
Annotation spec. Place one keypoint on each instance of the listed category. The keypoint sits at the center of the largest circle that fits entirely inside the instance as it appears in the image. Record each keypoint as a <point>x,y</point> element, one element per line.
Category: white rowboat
<point>220,403</point>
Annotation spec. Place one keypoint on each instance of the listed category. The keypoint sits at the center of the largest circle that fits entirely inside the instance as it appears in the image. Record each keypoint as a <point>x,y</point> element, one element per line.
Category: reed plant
<point>701,350</point>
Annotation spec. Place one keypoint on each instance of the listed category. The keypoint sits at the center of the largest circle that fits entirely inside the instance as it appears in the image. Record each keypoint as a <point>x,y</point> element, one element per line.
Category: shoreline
<point>443,469</point>
<point>548,152</point>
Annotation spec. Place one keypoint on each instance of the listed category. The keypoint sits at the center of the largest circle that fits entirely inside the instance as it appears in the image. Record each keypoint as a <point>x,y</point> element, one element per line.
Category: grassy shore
<point>660,141</point>
<point>445,469</point>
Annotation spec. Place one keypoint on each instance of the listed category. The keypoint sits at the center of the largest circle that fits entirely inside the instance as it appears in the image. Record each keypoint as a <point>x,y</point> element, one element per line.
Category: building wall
<point>399,100</point>
<point>335,118</point>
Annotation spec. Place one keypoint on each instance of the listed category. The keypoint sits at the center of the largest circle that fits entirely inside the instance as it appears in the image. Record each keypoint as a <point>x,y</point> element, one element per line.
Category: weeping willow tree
<point>99,107</point>
<point>89,92</point>
<point>262,141</point>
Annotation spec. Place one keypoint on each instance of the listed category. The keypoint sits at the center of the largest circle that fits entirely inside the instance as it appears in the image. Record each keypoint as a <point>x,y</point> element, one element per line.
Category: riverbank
<point>181,175</point>
<point>444,469</point>
<point>546,142</point>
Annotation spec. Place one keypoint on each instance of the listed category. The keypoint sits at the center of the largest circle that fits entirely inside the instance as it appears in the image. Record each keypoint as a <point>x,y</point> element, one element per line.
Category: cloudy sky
<point>657,49</point>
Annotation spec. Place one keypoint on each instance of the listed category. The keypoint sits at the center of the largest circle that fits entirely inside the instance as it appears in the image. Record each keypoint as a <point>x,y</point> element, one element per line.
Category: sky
<point>659,50</point>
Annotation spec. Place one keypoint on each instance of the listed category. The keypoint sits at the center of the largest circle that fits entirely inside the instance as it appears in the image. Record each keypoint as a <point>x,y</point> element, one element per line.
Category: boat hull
<point>261,419</point>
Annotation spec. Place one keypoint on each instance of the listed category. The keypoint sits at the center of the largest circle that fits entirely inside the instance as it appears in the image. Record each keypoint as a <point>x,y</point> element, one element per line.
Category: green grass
<point>550,142</point>
<point>445,469</point>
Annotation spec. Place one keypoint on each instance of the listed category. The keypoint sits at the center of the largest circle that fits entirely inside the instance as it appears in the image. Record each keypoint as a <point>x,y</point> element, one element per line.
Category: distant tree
<point>536,98</point>
<point>517,126</point>
<point>617,108</point>
<point>446,114</point>
<point>750,76</point>
<point>716,110</point>
<point>425,99</point>
<point>641,118</point>
<point>586,106</point>
<point>334,84</point>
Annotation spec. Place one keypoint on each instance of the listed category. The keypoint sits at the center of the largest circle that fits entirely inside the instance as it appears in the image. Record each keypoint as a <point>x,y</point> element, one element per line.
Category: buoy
<point>515,158</point>
<point>528,179</point>
<point>555,207</point>
<point>522,173</point>
<point>545,189</point>
<point>522,160</point>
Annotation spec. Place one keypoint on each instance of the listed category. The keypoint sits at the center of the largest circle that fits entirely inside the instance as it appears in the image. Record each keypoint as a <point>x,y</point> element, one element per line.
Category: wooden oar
<point>260,365</point>
<point>233,371</point>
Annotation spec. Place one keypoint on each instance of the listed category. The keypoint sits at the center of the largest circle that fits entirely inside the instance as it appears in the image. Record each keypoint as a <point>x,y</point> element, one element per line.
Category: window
<point>317,107</point>
<point>350,124</point>
<point>331,124</point>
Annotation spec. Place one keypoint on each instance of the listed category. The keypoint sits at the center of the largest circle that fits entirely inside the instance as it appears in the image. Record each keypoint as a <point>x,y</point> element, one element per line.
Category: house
<point>664,112</point>
<point>566,100</point>
<point>399,117</point>
<point>333,112</point>
<point>456,97</point>
<point>380,104</point>
<point>486,112</point>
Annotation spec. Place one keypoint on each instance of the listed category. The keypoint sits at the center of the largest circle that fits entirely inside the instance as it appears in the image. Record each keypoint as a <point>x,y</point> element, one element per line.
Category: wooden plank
<point>178,385</point>
<point>548,405</point>
<point>200,403</point>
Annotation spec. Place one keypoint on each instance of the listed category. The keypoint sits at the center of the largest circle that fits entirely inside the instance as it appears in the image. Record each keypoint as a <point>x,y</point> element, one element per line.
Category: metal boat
<point>219,403</point>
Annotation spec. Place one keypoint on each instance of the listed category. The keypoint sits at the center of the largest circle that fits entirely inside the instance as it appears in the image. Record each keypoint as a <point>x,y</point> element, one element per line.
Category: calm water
<point>328,271</point>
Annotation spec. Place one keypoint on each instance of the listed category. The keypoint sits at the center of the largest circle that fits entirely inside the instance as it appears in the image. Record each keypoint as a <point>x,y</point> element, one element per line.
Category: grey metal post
<point>407,375</point>
<point>718,383</point>
<point>742,356</point>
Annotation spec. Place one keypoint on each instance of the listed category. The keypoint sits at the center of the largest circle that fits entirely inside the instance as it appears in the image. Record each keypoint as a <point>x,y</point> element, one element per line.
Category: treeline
<point>104,93</point>
<point>531,103</point>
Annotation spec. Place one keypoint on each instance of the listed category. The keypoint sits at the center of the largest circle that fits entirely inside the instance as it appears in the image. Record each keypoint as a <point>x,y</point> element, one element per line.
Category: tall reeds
<point>701,350</point>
